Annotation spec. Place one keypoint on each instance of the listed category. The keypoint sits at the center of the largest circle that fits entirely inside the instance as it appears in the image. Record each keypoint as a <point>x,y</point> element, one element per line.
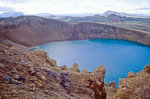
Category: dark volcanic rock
<point>7,79</point>
<point>65,81</point>
<point>20,78</point>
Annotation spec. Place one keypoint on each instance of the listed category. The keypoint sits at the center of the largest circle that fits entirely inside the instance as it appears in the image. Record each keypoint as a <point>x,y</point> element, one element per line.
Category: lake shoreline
<point>77,53</point>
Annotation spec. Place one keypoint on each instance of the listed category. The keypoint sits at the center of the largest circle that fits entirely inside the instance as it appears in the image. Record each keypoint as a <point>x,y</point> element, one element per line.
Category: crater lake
<point>118,56</point>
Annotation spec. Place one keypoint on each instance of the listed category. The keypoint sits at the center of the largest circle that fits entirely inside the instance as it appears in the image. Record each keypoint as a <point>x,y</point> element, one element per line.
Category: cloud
<point>6,9</point>
<point>14,1</point>
<point>143,9</point>
<point>75,6</point>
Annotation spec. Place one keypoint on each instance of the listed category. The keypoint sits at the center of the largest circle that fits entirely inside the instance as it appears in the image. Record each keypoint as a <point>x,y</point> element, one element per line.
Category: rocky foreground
<point>26,74</point>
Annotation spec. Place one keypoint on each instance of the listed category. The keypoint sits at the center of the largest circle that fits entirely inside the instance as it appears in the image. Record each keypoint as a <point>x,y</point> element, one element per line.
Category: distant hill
<point>100,18</point>
<point>76,15</point>
<point>136,23</point>
<point>45,15</point>
<point>114,18</point>
<point>11,14</point>
<point>95,18</point>
<point>107,13</point>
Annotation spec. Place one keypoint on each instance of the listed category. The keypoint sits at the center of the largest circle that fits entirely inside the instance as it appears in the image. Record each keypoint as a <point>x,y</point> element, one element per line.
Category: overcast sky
<point>74,6</point>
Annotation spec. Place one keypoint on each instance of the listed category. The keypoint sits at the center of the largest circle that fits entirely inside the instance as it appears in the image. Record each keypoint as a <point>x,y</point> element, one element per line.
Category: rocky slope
<point>26,74</point>
<point>135,86</point>
<point>32,31</point>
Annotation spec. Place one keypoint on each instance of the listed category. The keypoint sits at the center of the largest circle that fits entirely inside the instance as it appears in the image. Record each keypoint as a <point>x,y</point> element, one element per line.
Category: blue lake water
<point>118,56</point>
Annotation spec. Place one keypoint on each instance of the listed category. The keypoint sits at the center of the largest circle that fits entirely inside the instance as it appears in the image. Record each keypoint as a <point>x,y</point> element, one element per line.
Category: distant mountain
<point>100,18</point>
<point>114,18</point>
<point>11,14</point>
<point>94,18</point>
<point>107,13</point>
<point>137,23</point>
<point>45,15</point>
<point>76,15</point>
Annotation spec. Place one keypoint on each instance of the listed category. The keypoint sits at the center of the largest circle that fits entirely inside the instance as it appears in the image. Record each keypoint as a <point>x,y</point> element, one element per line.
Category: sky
<point>75,6</point>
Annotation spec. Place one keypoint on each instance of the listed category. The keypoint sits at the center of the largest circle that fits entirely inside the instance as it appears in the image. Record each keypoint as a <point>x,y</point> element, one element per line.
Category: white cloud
<point>75,6</point>
<point>6,9</point>
<point>14,1</point>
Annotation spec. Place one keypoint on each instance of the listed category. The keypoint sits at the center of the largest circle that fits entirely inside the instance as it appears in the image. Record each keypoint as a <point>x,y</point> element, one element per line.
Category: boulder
<point>63,67</point>
<point>32,71</point>
<point>84,71</point>
<point>130,75</point>
<point>7,79</point>
<point>74,68</point>
<point>112,84</point>
<point>101,69</point>
<point>20,78</point>
<point>147,68</point>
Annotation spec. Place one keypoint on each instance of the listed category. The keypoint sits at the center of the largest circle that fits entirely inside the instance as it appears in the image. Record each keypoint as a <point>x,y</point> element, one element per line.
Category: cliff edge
<point>32,31</point>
